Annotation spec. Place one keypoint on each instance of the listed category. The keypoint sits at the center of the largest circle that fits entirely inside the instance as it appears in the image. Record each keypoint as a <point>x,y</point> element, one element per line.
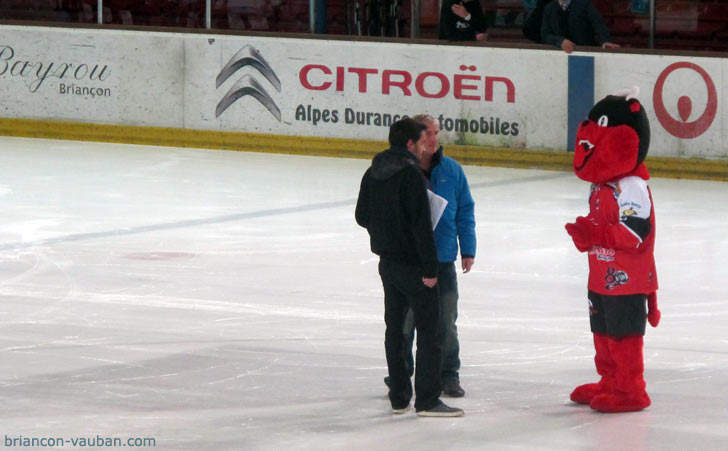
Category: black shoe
<point>386,381</point>
<point>453,389</point>
<point>404,409</point>
<point>441,410</point>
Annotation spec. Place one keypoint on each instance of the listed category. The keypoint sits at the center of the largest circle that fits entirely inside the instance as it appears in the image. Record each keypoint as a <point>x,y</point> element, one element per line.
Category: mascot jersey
<point>626,265</point>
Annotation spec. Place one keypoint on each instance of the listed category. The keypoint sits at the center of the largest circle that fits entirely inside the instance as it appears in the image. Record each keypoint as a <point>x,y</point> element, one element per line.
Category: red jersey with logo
<point>625,210</point>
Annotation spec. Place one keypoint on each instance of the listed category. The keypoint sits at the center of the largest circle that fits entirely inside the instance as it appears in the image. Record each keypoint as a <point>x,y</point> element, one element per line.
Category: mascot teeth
<point>586,144</point>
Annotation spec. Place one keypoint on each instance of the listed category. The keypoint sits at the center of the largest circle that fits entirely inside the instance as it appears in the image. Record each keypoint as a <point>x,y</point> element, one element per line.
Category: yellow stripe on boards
<point>688,168</point>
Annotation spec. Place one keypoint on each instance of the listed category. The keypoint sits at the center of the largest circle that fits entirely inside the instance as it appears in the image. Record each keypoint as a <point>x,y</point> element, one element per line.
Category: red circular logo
<point>681,128</point>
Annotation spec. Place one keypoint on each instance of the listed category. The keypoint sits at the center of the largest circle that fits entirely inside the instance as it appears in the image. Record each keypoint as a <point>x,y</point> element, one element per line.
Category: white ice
<point>218,300</point>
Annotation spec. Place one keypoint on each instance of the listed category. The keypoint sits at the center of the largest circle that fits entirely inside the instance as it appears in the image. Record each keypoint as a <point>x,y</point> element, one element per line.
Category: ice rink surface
<point>218,300</point>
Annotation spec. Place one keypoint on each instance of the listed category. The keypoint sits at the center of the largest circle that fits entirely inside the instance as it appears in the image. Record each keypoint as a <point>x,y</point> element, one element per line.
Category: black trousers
<point>403,289</point>
<point>618,316</point>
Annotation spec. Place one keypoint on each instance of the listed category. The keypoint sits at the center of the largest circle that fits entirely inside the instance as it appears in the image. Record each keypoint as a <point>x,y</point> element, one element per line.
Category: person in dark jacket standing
<point>393,206</point>
<point>567,23</point>
<point>534,20</point>
<point>462,20</point>
<point>454,231</point>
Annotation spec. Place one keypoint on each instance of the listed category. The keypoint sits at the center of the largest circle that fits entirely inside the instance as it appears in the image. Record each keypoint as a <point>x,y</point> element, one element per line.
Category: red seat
<point>635,42</point>
<point>624,26</point>
<point>704,30</point>
<point>605,7</point>
<point>294,26</point>
<point>621,8</point>
<point>294,10</point>
<point>713,12</point>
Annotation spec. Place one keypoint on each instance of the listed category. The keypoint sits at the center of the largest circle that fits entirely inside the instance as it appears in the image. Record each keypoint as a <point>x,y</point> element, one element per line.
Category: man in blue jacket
<point>446,178</point>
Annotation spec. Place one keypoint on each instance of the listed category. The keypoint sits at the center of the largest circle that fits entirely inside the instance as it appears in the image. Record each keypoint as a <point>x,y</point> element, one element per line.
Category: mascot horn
<point>619,236</point>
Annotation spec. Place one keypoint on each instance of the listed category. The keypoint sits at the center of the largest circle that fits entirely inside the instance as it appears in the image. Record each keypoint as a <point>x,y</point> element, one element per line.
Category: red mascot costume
<point>619,237</point>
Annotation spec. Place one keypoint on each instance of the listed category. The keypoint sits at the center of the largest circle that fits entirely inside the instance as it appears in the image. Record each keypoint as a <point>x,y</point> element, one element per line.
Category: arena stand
<point>680,24</point>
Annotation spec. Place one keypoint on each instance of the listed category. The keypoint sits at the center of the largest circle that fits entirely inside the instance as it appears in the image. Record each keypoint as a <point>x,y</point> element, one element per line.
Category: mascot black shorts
<point>617,316</point>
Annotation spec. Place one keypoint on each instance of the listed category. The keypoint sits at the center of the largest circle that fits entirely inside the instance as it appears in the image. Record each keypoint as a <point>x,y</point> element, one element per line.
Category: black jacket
<point>455,28</point>
<point>582,24</point>
<point>394,208</point>
<point>532,24</point>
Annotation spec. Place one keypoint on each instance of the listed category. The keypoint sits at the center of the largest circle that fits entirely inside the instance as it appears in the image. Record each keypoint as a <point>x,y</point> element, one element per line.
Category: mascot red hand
<point>618,235</point>
<point>653,314</point>
<point>579,234</point>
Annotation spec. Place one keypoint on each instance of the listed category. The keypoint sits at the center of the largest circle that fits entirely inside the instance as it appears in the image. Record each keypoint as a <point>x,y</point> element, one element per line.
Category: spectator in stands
<point>534,19</point>
<point>462,20</point>
<point>567,23</point>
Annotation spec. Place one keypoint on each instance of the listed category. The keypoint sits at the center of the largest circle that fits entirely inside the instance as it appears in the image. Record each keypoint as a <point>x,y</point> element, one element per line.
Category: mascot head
<point>612,143</point>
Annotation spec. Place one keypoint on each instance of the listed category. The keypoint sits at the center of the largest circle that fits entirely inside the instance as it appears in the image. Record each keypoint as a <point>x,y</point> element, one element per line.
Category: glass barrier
<point>679,24</point>
<point>290,16</point>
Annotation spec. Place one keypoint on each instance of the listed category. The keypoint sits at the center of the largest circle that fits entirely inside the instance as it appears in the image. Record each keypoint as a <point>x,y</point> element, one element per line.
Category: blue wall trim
<point>581,94</point>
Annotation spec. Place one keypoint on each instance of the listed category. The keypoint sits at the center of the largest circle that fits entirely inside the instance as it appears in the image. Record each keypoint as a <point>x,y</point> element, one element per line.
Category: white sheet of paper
<point>437,207</point>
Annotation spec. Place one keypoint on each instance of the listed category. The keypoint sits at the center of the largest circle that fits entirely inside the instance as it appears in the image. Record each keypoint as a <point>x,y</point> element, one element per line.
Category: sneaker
<point>441,410</point>
<point>404,409</point>
<point>453,389</point>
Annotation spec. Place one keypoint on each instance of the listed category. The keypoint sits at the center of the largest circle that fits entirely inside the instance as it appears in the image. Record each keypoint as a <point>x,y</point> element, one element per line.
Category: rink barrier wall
<point>668,167</point>
<point>483,96</point>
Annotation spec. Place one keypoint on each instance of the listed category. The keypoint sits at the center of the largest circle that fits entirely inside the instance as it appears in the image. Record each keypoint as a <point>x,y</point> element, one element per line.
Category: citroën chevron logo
<point>248,85</point>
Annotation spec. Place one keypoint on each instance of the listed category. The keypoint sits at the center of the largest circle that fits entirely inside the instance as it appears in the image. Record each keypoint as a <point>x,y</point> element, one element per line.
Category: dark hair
<point>405,129</point>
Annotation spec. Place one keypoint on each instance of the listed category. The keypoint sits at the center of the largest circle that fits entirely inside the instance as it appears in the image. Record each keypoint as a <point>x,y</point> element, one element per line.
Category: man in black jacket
<point>567,23</point>
<point>534,19</point>
<point>462,20</point>
<point>393,206</point>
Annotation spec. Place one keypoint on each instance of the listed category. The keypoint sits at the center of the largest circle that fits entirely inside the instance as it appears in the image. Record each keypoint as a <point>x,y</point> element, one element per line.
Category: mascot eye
<point>603,121</point>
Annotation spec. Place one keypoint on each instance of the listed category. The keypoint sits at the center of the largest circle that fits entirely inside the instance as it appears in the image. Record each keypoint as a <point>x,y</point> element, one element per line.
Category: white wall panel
<point>325,88</point>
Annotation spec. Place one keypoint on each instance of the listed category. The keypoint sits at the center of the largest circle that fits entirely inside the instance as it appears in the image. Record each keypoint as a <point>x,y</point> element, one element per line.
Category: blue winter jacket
<point>448,180</point>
